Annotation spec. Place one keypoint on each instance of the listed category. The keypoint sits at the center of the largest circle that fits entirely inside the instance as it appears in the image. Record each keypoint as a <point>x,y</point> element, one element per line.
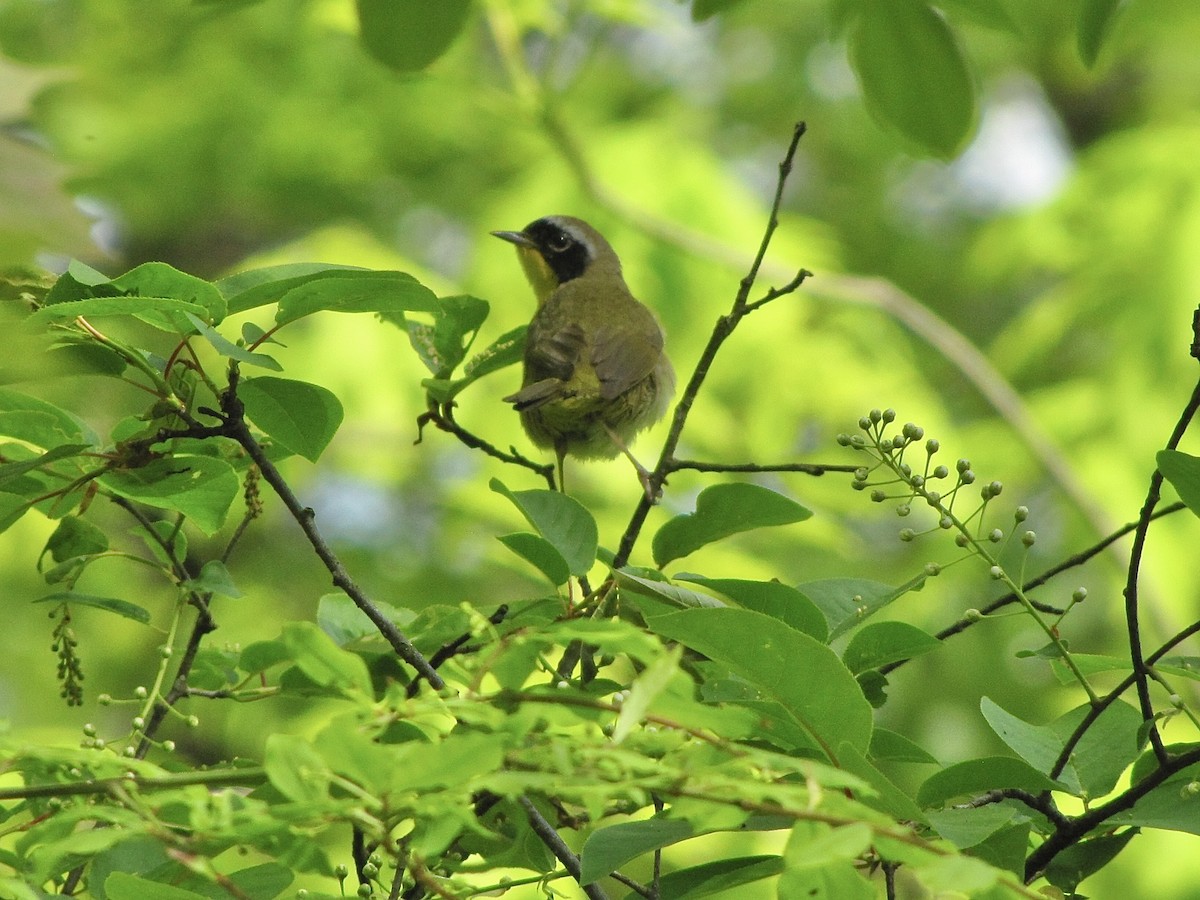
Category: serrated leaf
<point>163,313</point>
<point>15,402</point>
<point>505,351</point>
<point>9,472</point>
<point>408,36</point>
<point>200,487</point>
<point>881,643</point>
<point>120,607</point>
<point>932,103</point>
<point>443,345</point>
<point>607,849</point>
<point>968,827</point>
<point>782,663</point>
<point>299,416</point>
<point>723,510</point>
<point>561,520</point>
<point>1183,471</point>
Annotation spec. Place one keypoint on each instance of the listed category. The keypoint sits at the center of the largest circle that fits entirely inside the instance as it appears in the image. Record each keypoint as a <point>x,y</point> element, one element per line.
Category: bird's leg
<point>643,472</point>
<point>560,451</point>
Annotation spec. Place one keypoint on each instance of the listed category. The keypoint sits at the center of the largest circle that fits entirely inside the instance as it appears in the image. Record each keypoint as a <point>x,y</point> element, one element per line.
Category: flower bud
<point>907,535</point>
<point>996,572</point>
<point>996,536</point>
<point>1029,538</point>
<point>932,446</point>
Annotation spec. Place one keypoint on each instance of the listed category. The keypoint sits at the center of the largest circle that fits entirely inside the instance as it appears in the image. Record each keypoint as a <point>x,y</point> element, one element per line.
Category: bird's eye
<point>560,242</point>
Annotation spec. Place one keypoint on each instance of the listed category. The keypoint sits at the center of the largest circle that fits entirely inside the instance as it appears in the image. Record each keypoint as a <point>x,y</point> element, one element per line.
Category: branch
<point>1076,828</point>
<point>442,417</point>
<point>724,327</point>
<point>553,840</point>
<point>1070,562</point>
<point>1140,669</point>
<point>237,429</point>
<point>454,647</point>
<point>815,469</point>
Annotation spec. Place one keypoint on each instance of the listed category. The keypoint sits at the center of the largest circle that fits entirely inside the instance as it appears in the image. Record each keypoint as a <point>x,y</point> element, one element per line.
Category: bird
<point>595,371</point>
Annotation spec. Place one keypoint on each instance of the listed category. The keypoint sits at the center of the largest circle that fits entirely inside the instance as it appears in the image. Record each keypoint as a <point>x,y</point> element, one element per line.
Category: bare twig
<point>442,417</point>
<point>1070,562</point>
<point>551,838</point>
<point>815,469</point>
<point>1131,582</point>
<point>725,325</point>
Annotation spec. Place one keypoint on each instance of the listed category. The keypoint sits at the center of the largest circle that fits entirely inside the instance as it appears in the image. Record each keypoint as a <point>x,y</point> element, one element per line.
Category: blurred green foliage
<point>1027,300</point>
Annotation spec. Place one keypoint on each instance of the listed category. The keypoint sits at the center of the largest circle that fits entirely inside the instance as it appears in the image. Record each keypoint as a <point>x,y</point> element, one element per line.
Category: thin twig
<point>815,469</point>
<point>724,327</point>
<point>1131,582</point>
<point>237,429</point>
<point>1078,826</point>
<point>553,840</point>
<point>1042,804</point>
<point>454,647</point>
<point>1070,562</point>
<point>442,417</point>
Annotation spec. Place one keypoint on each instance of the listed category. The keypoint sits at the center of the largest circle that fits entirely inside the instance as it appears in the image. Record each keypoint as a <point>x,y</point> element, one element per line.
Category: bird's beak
<point>520,238</point>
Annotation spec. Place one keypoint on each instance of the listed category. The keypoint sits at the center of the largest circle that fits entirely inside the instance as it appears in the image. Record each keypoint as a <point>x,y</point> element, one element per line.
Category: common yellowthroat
<point>595,370</point>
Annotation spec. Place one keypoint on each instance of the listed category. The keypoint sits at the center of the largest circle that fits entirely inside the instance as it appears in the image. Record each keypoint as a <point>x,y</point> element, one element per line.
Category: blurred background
<point>1027,299</point>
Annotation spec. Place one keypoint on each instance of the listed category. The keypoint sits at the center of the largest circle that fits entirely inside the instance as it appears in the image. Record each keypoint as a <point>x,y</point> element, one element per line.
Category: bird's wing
<point>623,357</point>
<point>554,353</point>
<point>534,395</point>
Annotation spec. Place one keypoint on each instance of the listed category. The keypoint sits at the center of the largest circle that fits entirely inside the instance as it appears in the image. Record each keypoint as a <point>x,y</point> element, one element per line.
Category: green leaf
<point>1006,848</point>
<point>539,552</point>
<point>506,350</point>
<point>974,776</point>
<point>1096,19</point>
<point>716,877</point>
<point>157,279</point>
<point>1183,471</point>
<point>214,578</point>
<point>228,349</point>
<point>408,35</point>
<point>323,661</point>
<point>881,643</point>
<point>343,621</point>
<point>295,768</point>
<point>200,487</point>
<point>930,102</point>
<point>968,827</point>
<point>723,510</point>
<point>355,292</point>
<point>9,472</point>
<point>892,747</point>
<point>1085,858</point>
<point>561,520</point>
<point>108,604</point>
<point>706,9</point>
<point>258,287</point>
<point>819,863</point>
<point>784,664</point>
<point>1109,746</point>
<point>163,313</point>
<point>847,602</point>
<point>607,849</point>
<point>771,598</point>
<point>32,430</point>
<point>75,537</point>
<point>443,345</point>
<point>888,798</point>
<point>301,417</point>
<point>1172,805</point>
<point>123,886</point>
<point>646,688</point>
